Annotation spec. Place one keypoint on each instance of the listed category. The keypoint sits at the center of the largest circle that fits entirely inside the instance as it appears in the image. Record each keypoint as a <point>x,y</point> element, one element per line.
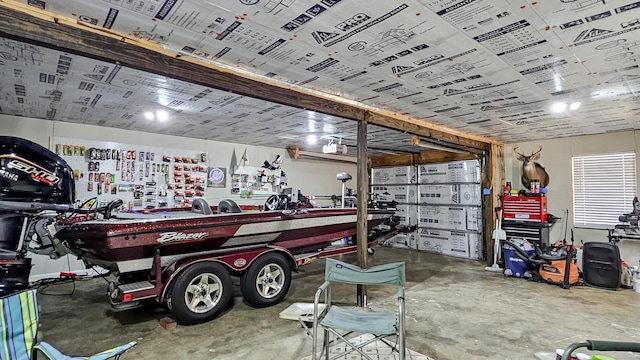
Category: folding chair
<point>343,322</point>
<point>19,317</point>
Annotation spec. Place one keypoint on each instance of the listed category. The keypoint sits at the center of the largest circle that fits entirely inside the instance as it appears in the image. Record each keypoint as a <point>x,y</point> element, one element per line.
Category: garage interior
<point>299,91</point>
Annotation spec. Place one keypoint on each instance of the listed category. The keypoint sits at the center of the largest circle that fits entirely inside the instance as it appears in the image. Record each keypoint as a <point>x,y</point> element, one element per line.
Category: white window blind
<point>603,188</point>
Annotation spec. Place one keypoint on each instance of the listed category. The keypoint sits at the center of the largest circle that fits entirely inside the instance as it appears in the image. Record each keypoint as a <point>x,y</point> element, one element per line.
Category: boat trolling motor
<point>35,186</point>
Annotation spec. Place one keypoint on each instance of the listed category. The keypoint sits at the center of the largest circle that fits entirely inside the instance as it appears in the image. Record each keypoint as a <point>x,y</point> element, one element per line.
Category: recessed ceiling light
<point>559,107</point>
<point>312,139</point>
<point>162,115</point>
<point>149,115</point>
<point>574,106</point>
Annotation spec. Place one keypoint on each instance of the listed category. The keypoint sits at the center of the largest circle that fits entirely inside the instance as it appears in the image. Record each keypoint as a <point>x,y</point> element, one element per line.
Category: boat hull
<point>126,245</point>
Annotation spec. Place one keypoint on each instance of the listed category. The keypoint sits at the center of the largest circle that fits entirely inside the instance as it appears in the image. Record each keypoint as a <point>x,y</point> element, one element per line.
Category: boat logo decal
<point>240,262</point>
<point>36,172</point>
<point>178,236</point>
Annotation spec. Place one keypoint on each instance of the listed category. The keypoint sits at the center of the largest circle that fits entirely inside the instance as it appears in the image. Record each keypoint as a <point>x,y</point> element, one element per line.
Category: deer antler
<point>515,150</point>
<point>540,149</point>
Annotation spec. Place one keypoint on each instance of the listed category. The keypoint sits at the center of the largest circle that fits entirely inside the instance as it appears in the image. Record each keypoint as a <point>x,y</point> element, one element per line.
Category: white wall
<point>312,177</point>
<point>556,158</point>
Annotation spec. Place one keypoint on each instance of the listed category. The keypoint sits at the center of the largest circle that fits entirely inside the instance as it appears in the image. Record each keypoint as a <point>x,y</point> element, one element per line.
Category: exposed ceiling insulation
<point>43,83</point>
<point>510,70</point>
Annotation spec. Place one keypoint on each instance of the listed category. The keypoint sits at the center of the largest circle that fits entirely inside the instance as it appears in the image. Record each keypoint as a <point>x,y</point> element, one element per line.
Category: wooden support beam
<point>29,25</point>
<point>416,127</point>
<point>296,153</point>
<point>428,157</point>
<point>440,156</point>
<point>391,160</point>
<point>492,164</point>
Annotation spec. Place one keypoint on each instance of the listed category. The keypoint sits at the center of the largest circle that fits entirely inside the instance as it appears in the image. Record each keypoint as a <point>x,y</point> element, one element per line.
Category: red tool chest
<point>524,208</point>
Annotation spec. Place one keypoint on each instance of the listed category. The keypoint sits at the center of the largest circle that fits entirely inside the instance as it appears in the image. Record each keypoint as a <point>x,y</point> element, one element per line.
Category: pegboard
<point>141,176</point>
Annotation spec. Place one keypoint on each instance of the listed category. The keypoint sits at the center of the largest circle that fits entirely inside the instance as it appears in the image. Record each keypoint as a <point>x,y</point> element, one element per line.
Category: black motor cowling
<point>32,173</point>
<point>32,179</point>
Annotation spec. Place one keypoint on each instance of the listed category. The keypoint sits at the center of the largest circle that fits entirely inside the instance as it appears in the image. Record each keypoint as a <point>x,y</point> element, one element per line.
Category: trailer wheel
<point>200,293</point>
<point>267,280</point>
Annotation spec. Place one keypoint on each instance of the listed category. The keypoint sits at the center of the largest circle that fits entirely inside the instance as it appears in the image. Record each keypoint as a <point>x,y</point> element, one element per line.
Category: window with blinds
<point>603,188</point>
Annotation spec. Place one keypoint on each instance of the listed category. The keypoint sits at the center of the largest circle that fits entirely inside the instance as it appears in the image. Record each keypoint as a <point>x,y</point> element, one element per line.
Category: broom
<point>497,236</point>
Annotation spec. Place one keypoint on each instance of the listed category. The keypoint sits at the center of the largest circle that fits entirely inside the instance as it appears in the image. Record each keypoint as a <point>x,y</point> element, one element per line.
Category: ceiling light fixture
<point>149,115</point>
<point>574,106</point>
<point>162,115</point>
<point>312,139</point>
<point>559,107</point>
<point>415,140</point>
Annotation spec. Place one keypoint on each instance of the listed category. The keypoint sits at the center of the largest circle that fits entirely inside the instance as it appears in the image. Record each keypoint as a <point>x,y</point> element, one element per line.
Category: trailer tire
<point>200,293</point>
<point>267,280</point>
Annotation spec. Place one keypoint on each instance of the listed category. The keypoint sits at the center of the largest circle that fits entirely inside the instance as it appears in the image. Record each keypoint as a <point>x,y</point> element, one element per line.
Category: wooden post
<point>490,202</point>
<point>362,192</point>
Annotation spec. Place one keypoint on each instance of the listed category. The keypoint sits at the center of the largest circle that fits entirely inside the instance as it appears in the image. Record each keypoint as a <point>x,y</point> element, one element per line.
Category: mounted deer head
<point>531,170</point>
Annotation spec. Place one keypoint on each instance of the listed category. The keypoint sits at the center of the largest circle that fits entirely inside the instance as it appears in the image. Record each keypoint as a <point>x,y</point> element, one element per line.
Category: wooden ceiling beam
<point>29,25</point>
<point>428,157</point>
<point>392,160</point>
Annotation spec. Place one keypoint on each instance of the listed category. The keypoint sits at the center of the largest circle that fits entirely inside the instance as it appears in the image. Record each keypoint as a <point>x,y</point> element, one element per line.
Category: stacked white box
<point>459,245</point>
<point>458,171</point>
<point>433,173</point>
<point>443,199</point>
<point>474,245</point>
<point>403,241</point>
<point>474,218</point>
<point>469,194</point>
<point>393,175</point>
<point>400,193</point>
<point>382,193</point>
<point>413,240</point>
<point>433,240</point>
<point>438,194</point>
<point>463,171</point>
<point>412,194</point>
<point>454,243</point>
<point>445,217</point>
<point>408,214</point>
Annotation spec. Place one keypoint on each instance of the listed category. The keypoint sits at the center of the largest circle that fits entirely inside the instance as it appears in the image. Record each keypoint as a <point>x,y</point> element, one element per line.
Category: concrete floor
<point>455,310</point>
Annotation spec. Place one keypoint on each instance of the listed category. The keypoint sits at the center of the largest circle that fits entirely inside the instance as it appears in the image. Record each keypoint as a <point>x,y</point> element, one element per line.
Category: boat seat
<point>228,206</point>
<point>200,206</point>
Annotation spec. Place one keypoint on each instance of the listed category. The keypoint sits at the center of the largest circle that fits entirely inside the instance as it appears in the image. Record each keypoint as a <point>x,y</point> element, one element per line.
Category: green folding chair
<point>19,324</point>
<point>342,323</point>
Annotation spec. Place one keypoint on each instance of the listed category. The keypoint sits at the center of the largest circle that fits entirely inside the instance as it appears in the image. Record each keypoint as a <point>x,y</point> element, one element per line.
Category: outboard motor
<point>32,179</point>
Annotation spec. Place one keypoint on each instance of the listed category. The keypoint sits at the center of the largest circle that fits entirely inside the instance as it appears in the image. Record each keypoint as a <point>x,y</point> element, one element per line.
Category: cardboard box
<point>453,243</point>
<point>403,241</point>
<point>474,218</point>
<point>393,175</point>
<point>432,173</point>
<point>470,194</point>
<point>436,241</point>
<point>398,241</point>
<point>457,171</point>
<point>463,171</point>
<point>408,214</point>
<point>438,194</point>
<point>459,245</point>
<point>474,245</point>
<point>402,194</point>
<point>413,240</point>
<point>446,217</point>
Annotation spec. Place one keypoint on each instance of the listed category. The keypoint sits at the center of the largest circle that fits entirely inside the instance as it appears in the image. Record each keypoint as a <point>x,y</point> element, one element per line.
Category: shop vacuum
<point>34,182</point>
<point>557,264</point>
